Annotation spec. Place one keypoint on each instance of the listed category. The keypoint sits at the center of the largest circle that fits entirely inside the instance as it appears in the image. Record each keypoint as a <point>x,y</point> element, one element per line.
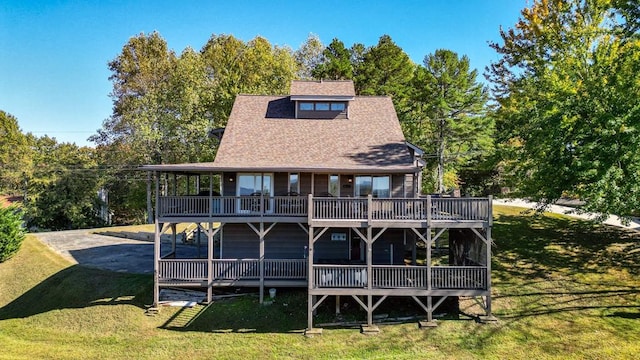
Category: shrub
<point>12,231</point>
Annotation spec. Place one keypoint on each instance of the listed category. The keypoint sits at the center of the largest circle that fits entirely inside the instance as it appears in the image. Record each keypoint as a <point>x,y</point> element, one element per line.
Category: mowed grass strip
<point>563,288</point>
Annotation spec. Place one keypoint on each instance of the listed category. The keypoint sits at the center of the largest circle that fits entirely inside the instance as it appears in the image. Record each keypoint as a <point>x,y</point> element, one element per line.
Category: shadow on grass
<point>286,314</point>
<point>80,287</point>
<point>552,272</point>
<point>532,247</point>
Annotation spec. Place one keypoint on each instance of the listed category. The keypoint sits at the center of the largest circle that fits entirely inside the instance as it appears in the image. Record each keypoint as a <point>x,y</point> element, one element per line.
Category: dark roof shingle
<point>262,133</point>
<point>322,88</point>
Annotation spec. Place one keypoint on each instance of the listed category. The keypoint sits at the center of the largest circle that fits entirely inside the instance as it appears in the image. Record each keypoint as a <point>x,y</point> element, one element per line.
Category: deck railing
<point>340,276</point>
<point>398,209</point>
<point>196,270</point>
<point>236,269</point>
<point>460,208</point>
<point>189,270</point>
<point>285,269</point>
<point>326,276</point>
<point>392,209</point>
<point>201,206</point>
<point>331,208</point>
<point>340,208</point>
<point>458,277</point>
<point>400,276</point>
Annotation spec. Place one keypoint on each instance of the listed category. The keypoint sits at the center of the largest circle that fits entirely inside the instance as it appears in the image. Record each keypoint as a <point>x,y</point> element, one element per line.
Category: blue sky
<point>54,54</point>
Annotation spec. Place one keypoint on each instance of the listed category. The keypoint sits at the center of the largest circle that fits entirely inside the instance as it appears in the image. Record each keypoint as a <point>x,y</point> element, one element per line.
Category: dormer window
<point>322,106</point>
<point>322,99</point>
<point>322,109</point>
<point>337,106</point>
<point>306,106</point>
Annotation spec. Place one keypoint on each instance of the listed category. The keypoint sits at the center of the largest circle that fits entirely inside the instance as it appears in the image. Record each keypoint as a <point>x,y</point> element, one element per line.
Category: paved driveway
<point>102,252</point>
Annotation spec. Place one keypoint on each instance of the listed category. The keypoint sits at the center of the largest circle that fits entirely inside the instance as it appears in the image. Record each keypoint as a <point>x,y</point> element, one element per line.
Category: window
<point>321,106</point>
<point>306,106</point>
<point>337,106</point>
<point>251,184</point>
<point>294,183</point>
<point>378,186</point>
<point>334,185</point>
<point>381,186</point>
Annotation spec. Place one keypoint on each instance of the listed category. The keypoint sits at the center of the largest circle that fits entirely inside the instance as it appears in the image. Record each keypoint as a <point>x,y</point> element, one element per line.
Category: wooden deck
<point>332,211</point>
<point>293,272</point>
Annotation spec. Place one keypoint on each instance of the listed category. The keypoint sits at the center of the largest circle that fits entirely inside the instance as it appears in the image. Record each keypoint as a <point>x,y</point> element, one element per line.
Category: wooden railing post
<point>428,210</point>
<point>310,214</point>
<point>490,210</point>
<point>369,208</point>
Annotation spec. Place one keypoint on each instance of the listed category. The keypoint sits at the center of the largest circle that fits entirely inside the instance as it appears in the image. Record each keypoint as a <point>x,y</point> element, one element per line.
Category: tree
<point>385,69</point>
<point>309,56</point>
<point>448,117</point>
<point>63,190</point>
<point>235,67</point>
<point>12,232</point>
<point>336,64</point>
<point>15,163</point>
<point>568,96</point>
<point>165,105</point>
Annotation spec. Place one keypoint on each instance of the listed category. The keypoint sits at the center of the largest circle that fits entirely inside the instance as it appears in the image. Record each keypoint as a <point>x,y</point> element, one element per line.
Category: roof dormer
<point>322,99</point>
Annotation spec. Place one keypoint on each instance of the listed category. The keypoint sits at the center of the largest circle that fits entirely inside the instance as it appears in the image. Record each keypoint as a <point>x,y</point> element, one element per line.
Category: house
<point>319,189</point>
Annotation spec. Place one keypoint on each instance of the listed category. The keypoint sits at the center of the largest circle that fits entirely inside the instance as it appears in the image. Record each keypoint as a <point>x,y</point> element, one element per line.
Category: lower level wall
<point>289,241</point>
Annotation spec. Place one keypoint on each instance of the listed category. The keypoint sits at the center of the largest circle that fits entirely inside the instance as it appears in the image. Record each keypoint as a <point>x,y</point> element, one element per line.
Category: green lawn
<point>563,288</point>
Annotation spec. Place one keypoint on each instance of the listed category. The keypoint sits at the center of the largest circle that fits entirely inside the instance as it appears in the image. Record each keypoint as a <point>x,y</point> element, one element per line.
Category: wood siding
<point>239,241</point>
<point>284,241</point>
<point>382,248</point>
<point>326,250</point>
<point>281,183</point>
<point>321,185</point>
<point>305,183</point>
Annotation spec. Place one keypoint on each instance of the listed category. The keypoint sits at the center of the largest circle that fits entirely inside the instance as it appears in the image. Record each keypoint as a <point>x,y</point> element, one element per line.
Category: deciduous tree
<point>15,155</point>
<point>308,56</point>
<point>567,87</point>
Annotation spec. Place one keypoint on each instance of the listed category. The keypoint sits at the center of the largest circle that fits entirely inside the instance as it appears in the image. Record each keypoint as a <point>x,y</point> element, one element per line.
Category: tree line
<point>556,116</point>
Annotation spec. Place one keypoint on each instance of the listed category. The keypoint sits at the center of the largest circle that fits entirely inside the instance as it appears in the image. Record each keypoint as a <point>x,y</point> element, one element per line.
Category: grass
<point>563,288</point>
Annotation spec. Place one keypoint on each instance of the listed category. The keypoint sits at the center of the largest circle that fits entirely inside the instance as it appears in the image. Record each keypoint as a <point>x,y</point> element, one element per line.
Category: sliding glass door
<point>378,186</point>
<point>257,185</point>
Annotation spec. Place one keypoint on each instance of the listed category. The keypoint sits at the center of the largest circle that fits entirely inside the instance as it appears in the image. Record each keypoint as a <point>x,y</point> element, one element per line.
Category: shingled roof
<point>339,88</point>
<point>262,134</point>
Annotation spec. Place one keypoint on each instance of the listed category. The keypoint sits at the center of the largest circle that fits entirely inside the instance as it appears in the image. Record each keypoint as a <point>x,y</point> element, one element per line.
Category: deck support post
<point>261,262</point>
<point>209,263</point>
<point>310,277</point>
<point>488,299</point>
<point>369,270</point>
<point>174,239</point>
<point>156,249</point>
<point>150,216</point>
<point>428,243</point>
